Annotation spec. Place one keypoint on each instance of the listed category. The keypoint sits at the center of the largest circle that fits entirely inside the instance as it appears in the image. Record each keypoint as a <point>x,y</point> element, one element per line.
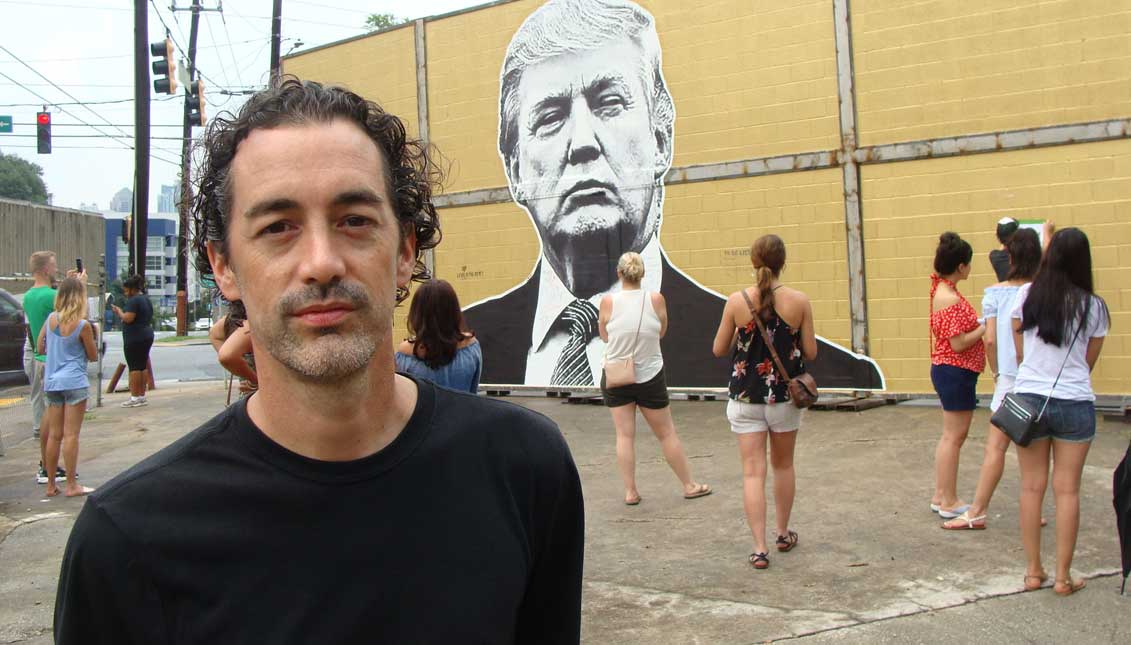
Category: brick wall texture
<point>756,78</point>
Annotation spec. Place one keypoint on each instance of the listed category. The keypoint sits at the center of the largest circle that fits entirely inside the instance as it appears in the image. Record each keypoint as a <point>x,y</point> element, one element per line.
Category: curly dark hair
<point>410,172</point>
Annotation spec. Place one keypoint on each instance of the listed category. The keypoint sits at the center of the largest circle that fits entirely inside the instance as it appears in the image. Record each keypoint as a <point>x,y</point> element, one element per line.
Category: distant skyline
<point>55,37</point>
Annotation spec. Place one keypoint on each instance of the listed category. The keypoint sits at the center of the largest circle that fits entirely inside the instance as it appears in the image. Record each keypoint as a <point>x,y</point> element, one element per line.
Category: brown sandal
<point>1068,587</point>
<point>787,542</point>
<point>1040,578</point>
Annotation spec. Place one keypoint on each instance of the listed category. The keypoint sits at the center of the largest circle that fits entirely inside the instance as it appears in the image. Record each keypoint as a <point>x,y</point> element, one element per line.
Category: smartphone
<point>78,265</point>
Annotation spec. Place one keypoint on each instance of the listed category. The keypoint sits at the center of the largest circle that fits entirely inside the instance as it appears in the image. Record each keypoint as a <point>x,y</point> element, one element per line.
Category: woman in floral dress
<point>759,405</point>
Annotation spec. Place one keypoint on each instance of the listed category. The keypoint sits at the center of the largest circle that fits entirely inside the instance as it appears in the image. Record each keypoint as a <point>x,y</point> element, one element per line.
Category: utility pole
<point>276,38</point>
<point>186,184</point>
<point>140,234</point>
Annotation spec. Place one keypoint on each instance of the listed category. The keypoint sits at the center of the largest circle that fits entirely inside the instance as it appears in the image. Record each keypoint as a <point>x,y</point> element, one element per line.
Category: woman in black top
<point>137,336</point>
<point>759,406</point>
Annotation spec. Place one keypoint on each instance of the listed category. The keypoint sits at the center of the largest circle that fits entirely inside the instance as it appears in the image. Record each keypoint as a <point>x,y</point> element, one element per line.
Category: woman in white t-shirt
<point>1059,328</point>
<point>1024,253</point>
<point>632,322</point>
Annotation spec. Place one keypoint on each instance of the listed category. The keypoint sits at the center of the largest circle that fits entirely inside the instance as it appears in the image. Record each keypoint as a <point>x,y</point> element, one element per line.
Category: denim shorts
<point>1065,420</point>
<point>955,387</point>
<point>70,397</point>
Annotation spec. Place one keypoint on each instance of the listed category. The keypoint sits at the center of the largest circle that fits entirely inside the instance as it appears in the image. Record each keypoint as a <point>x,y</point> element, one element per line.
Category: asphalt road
<point>181,362</point>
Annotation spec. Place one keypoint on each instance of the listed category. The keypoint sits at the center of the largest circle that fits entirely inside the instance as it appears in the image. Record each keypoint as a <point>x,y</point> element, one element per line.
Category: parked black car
<point>13,336</point>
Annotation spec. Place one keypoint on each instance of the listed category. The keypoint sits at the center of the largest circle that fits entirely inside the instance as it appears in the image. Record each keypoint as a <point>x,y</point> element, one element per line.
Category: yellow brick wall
<point>938,68</point>
<point>708,228</point>
<point>465,54</point>
<point>486,249</point>
<point>749,79</point>
<point>380,67</point>
<point>907,205</point>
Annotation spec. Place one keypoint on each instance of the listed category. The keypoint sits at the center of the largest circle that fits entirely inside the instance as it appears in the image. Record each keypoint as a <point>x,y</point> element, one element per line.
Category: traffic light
<point>43,132</point>
<point>164,68</point>
<point>196,104</point>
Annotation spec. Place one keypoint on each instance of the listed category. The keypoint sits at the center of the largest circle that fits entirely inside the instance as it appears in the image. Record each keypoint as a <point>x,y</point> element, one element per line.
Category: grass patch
<point>177,339</point>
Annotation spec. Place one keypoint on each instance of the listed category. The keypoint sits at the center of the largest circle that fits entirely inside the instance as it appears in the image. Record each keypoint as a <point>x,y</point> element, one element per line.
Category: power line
<point>223,68</point>
<point>69,95</point>
<point>37,5</point>
<point>84,136</point>
<point>129,100</point>
<point>116,125</point>
<point>231,49</point>
<point>326,6</point>
<point>303,20</point>
<point>115,56</point>
<point>77,118</point>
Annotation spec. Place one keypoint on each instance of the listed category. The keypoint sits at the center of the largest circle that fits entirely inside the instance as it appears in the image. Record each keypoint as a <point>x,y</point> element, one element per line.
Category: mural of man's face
<point>588,158</point>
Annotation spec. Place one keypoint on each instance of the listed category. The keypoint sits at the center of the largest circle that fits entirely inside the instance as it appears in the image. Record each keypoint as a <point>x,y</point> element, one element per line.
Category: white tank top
<point>622,326</point>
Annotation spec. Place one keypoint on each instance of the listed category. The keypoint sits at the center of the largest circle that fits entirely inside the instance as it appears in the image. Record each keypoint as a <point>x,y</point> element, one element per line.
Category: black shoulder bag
<point>1022,420</point>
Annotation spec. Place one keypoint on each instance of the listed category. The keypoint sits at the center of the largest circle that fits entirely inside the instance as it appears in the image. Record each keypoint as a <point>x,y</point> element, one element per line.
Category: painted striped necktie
<point>580,320</point>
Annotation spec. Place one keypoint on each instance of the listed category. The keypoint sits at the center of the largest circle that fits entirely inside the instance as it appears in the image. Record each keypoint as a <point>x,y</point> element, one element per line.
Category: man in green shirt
<point>39,302</point>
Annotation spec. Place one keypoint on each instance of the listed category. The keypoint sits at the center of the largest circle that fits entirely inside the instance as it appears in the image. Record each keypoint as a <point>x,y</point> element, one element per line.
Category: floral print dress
<point>755,377</point>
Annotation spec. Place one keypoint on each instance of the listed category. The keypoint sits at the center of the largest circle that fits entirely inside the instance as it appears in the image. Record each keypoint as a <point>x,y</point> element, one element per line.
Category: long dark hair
<point>436,323</point>
<point>1024,255</point>
<point>1062,290</point>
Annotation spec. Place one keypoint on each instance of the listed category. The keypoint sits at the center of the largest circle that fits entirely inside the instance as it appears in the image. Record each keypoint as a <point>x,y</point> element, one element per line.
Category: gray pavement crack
<point>924,609</point>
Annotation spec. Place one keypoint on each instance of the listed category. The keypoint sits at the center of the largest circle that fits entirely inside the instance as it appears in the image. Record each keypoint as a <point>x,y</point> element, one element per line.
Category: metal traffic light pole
<point>140,233</point>
<point>186,184</point>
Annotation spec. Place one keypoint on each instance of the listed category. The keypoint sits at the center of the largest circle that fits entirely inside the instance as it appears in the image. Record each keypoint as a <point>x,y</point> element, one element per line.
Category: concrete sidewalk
<point>872,564</point>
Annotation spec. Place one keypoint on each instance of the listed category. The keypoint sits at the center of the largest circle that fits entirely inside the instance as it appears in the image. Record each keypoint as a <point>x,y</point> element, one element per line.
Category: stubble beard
<point>585,256</point>
<point>336,354</point>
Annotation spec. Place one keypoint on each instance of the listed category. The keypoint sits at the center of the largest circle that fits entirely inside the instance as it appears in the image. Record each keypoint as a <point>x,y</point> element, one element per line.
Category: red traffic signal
<point>43,133</point>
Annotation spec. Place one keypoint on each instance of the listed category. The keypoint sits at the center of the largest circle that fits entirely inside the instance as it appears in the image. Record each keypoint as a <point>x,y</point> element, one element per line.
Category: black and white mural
<point>586,135</point>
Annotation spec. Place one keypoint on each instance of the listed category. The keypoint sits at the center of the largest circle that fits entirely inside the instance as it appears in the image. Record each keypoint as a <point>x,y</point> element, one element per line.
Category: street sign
<point>5,123</point>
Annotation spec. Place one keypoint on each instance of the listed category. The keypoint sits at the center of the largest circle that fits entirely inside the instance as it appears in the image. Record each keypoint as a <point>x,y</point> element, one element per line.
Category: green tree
<point>377,21</point>
<point>21,179</point>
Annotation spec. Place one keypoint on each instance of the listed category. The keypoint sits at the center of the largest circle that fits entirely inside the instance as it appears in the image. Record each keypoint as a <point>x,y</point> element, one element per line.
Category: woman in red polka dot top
<point>957,358</point>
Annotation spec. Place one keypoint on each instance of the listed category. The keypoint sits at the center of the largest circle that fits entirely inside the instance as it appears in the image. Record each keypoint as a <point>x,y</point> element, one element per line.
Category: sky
<point>85,47</point>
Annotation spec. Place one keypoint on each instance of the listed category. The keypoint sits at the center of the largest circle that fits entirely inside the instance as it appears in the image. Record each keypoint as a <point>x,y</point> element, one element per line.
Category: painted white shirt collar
<point>554,297</point>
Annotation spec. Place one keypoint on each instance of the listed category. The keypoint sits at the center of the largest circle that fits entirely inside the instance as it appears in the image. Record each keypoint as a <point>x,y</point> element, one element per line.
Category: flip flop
<point>634,502</point>
<point>954,512</point>
<point>935,507</point>
<point>759,560</point>
<point>702,490</point>
<point>787,542</point>
<point>86,490</point>
<point>1072,586</point>
<point>965,523</point>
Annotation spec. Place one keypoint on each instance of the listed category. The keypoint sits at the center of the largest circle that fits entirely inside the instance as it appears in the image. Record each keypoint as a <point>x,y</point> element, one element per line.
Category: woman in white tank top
<point>631,323</point>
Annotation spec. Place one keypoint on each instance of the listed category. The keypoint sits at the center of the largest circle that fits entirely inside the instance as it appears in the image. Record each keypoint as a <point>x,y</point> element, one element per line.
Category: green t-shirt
<point>38,305</point>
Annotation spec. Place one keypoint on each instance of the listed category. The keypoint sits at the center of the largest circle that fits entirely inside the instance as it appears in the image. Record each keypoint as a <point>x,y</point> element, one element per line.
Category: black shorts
<point>956,387</point>
<point>651,394</point>
<point>137,353</point>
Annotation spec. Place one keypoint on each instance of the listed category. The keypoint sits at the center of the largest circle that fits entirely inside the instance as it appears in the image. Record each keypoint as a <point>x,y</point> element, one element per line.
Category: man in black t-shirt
<point>341,503</point>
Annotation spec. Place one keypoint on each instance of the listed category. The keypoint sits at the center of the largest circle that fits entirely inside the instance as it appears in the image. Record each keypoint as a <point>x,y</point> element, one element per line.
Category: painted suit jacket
<point>504,325</point>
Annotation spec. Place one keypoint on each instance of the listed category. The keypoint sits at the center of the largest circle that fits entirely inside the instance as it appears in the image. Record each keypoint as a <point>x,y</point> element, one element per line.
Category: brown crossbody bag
<point>803,387</point>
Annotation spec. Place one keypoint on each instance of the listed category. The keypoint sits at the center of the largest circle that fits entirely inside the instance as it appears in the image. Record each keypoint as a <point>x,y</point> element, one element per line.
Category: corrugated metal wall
<point>26,228</point>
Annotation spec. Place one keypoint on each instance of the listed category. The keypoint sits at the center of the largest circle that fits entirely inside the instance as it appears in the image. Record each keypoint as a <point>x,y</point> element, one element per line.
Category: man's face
<point>588,155</point>
<point>315,251</point>
<point>52,268</point>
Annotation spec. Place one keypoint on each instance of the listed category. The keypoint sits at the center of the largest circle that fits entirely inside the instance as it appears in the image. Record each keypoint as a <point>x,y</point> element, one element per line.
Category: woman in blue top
<point>1024,250</point>
<point>68,341</point>
<point>440,349</point>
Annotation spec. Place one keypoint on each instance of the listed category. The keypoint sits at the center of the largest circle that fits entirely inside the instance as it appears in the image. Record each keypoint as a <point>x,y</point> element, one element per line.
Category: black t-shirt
<point>141,328</point>
<point>999,259</point>
<point>467,528</point>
